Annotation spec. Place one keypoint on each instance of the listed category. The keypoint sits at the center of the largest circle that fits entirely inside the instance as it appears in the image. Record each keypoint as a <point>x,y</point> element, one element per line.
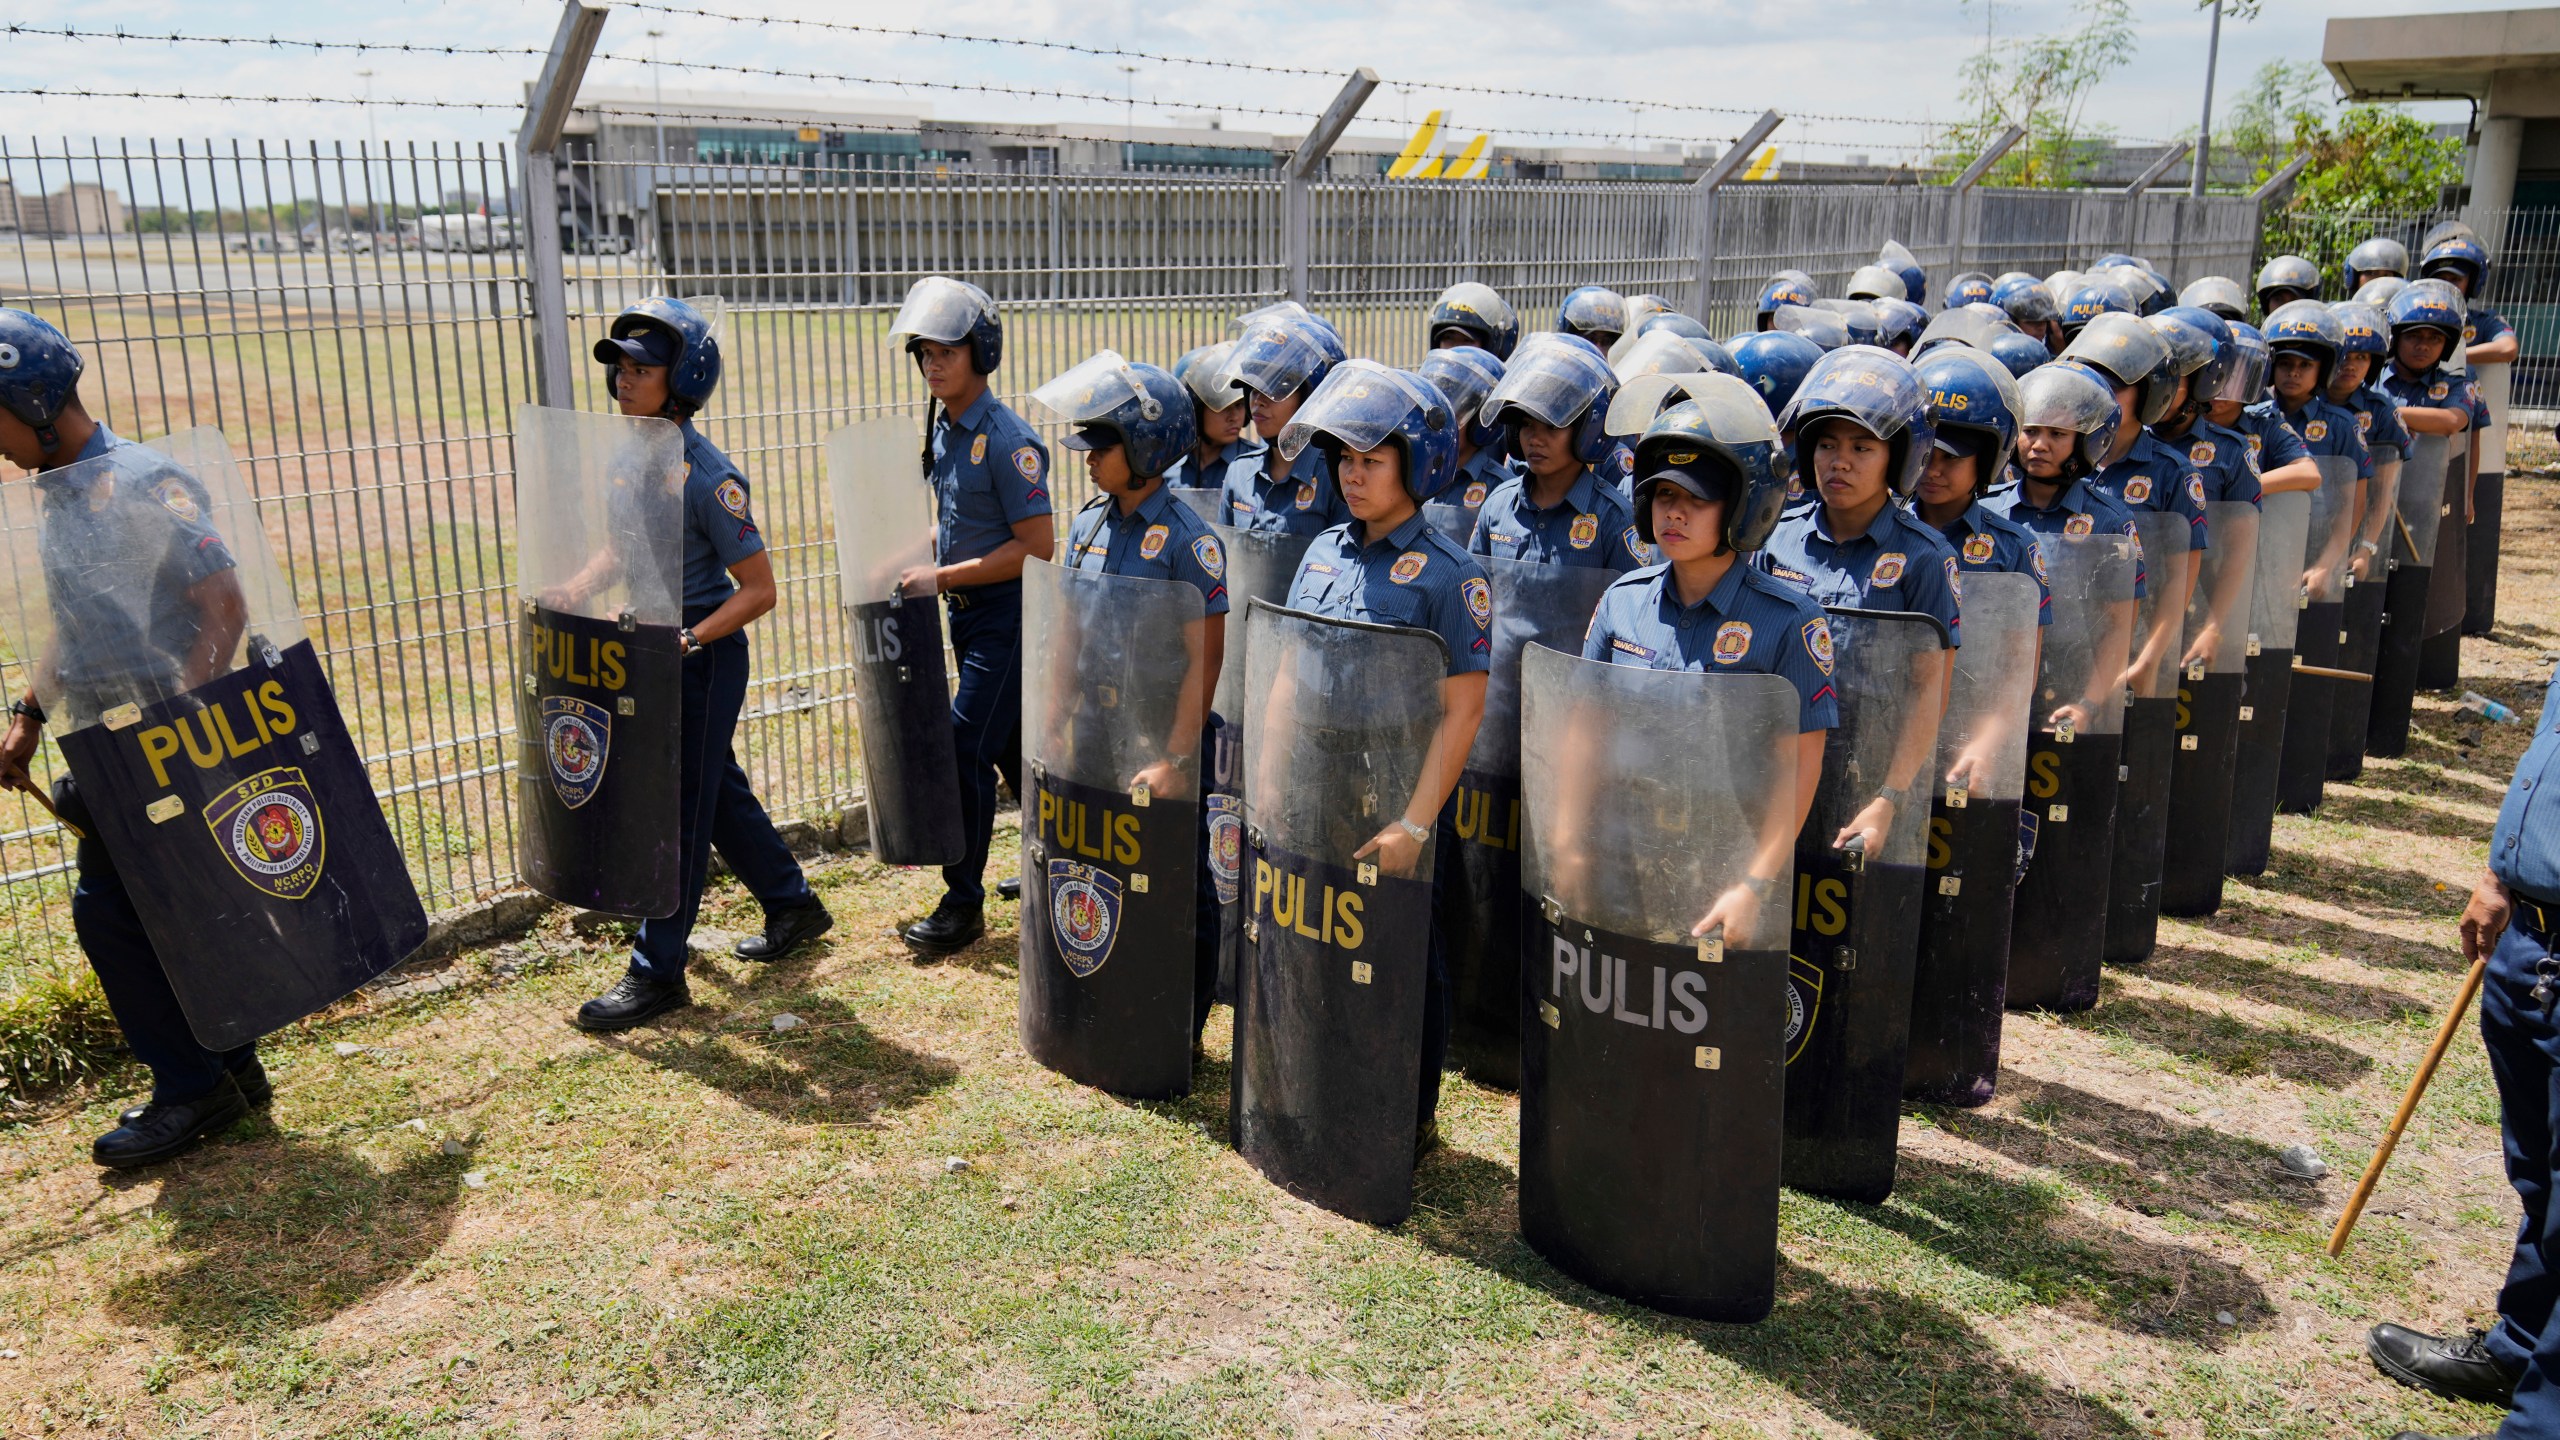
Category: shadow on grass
<point>831,1071</point>
<point>2270,983</point>
<point>2369,889</point>
<point>2405,814</point>
<point>2222,1042</point>
<point>2134,1158</point>
<point>281,1232</point>
<point>2380,949</point>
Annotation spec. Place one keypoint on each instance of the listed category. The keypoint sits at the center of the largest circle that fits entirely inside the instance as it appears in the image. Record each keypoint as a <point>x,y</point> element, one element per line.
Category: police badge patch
<point>1306,494</point>
<point>174,497</point>
<point>1151,544</point>
<point>1954,585</point>
<point>1586,528</point>
<point>269,827</point>
<point>1977,547</point>
<point>2201,452</point>
<point>2195,490</point>
<point>1479,600</point>
<point>1733,641</point>
<point>1084,914</point>
<point>2439,390</point>
<point>2078,525</point>
<point>2137,490</point>
<point>1408,565</point>
<point>576,739</point>
<point>1226,845</point>
<point>2316,430</point>
<point>978,450</point>
<point>732,497</point>
<point>1475,496</point>
<point>1888,569</point>
<point>1817,642</point>
<point>1027,460</point>
<point>1211,558</point>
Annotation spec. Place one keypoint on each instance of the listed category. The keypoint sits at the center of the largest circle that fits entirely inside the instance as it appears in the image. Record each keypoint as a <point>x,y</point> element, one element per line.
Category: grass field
<point>465,1218</point>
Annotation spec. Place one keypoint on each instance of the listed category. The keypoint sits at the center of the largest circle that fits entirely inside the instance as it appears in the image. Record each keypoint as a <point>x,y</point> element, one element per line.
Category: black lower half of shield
<point>2201,782</point>
<point>1848,1021</point>
<point>1960,981</point>
<point>1108,900</point>
<point>2058,931</point>
<point>2266,694</point>
<point>2146,770</point>
<point>2302,769</point>
<point>1481,925</point>
<point>903,697</point>
<point>600,724</point>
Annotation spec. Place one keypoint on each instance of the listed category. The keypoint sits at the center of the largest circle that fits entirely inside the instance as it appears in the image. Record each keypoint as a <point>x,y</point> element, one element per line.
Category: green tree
<point>2043,83</point>
<point>2365,159</point>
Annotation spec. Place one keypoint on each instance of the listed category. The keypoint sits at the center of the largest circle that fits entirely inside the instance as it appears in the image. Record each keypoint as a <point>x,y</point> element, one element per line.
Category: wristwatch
<point>1895,795</point>
<point>685,638</point>
<point>1421,835</point>
<point>28,708</point>
<point>2368,546</point>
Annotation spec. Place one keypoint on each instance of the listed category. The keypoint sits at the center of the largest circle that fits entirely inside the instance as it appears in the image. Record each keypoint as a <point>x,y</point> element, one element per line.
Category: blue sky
<point>1889,59</point>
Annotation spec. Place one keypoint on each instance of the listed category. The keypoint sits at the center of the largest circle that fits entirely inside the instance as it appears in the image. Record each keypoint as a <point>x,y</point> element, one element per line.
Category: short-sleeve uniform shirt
<point>1748,624</point>
<point>1589,527</point>
<point>1242,453</point>
<point>1899,564</point>
<point>2524,848</point>
<point>1416,577</point>
<point>1477,478</point>
<point>2328,430</point>
<point>990,473</point>
<point>2154,476</point>
<point>1996,544</point>
<point>2222,458</point>
<point>2271,441</point>
<point>1159,540</point>
<point>1302,501</point>
<point>719,522</point>
<point>2435,388</point>
<point>122,544</point>
<point>2378,422</point>
<point>2078,510</point>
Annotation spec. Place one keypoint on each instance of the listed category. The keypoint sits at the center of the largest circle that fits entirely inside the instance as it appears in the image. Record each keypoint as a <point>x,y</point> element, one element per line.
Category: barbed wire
<point>65,32</point>
<point>1026,91</point>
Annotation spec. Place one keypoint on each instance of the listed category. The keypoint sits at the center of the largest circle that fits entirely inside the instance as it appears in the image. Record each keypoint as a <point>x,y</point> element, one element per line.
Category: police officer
<point>1774,365</point>
<point>2355,388</point>
<point>2067,420</point>
<point>990,477</point>
<point>1780,292</point>
<point>2032,306</point>
<point>44,428</point>
<point>1897,257</point>
<point>1467,375</point>
<point>2304,341</point>
<point>1386,565</point>
<point>1898,324</point>
<point>1278,362</point>
<point>1134,526</point>
<point>2285,279</point>
<point>2019,352</point>
<point>2218,293</point>
<point>2462,262</point>
<point>2514,920</point>
<point>1596,314</point>
<point>2217,454</point>
<point>2372,259</point>
<point>2425,321</point>
<point>1555,398</point>
<point>1714,479</point>
<point>1975,430</point>
<point>2137,470</point>
<point>2094,298</point>
<point>1469,313</point>
<point>1222,443</point>
<point>2244,406</point>
<point>1970,288</point>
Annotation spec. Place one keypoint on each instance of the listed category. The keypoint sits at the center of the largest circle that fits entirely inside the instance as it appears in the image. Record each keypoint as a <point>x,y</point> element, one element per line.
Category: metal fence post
<point>1971,177</point>
<point>1297,227</point>
<point>1734,158</point>
<point>2131,235</point>
<point>2280,182</point>
<point>546,114</point>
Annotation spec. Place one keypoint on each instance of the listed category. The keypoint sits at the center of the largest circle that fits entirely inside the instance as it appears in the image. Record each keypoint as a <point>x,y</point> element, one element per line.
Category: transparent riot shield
<point>2275,620</point>
<point>1861,868</point>
<point>1329,988</point>
<point>2150,737</point>
<point>2066,825</point>
<point>1962,973</point>
<point>2210,680</point>
<point>1115,708</point>
<point>1651,1077</point>
<point>1546,605</point>
<point>2362,603</point>
<point>2448,587</point>
<point>2418,514</point>
<point>901,690</point>
<point>2482,542</point>
<point>206,751</point>
<point>1455,521</point>
<point>2303,766</point>
<point>1261,565</point>
<point>600,707</point>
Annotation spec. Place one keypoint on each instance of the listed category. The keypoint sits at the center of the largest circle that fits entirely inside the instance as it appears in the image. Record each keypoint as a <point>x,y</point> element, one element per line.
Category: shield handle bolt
<point>1844,958</point>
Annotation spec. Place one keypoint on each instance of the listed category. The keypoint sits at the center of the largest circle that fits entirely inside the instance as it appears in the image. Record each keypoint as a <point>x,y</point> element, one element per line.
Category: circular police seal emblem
<point>978,450</point>
<point>732,497</point>
<point>1733,641</point>
<point>1151,544</point>
<point>2195,490</point>
<point>1475,496</point>
<point>2078,525</point>
<point>2137,490</point>
<point>175,499</point>
<point>269,828</point>
<point>1027,460</point>
<point>577,738</point>
<point>2316,430</point>
<point>1586,528</point>
<point>1977,547</point>
<point>1408,565</point>
<point>1479,600</point>
<point>1817,642</point>
<point>1226,845</point>
<point>2364,422</point>
<point>1888,568</point>
<point>1306,494</point>
<point>2200,453</point>
<point>2439,390</point>
<point>1084,914</point>
<point>1211,558</point>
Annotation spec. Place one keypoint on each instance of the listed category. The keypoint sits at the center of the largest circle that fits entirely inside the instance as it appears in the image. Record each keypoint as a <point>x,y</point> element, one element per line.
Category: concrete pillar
<point>2493,176</point>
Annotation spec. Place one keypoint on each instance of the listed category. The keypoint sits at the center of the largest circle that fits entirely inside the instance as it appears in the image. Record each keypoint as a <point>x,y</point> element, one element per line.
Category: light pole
<point>2204,128</point>
<point>1129,79</point>
<point>372,140</point>
<point>658,94</point>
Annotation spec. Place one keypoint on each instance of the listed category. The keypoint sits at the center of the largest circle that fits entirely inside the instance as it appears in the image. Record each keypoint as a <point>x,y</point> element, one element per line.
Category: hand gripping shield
<point>599,704</point>
<point>1651,1076</point>
<point>2266,693</point>
<point>2211,678</point>
<point>206,749</point>
<point>1115,704</point>
<point>901,692</point>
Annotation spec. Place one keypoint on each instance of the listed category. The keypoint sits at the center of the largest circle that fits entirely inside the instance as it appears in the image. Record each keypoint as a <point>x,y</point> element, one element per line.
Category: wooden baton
<point>2408,1106</point>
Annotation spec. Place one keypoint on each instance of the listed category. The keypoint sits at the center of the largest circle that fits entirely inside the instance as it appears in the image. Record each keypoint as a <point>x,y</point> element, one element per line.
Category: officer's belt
<point>2532,915</point>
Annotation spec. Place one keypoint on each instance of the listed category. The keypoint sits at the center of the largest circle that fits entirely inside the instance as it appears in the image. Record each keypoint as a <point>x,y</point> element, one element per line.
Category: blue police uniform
<point>1344,578</point>
<point>1996,544</point>
<point>2378,423</point>
<point>2223,459</point>
<point>989,473</point>
<point>1617,470</point>
<point>1748,624</point>
<point>2434,388</point>
<point>2523,1041</point>
<point>1302,501</point>
<point>87,530</point>
<point>2328,430</point>
<point>1244,453</point>
<point>2272,442</point>
<point>2078,510</point>
<point>1477,478</point>
<point>2483,325</point>
<point>1898,564</point>
<point>2154,476</point>
<point>1161,539</point>
<point>1589,527</point>
<point>715,805</point>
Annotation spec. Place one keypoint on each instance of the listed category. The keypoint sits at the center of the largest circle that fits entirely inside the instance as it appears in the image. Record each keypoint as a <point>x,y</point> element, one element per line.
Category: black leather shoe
<point>634,1000</point>
<point>2457,1368</point>
<point>160,1132</point>
<point>953,926</point>
<point>1009,888</point>
<point>786,931</point>
<point>254,1085</point>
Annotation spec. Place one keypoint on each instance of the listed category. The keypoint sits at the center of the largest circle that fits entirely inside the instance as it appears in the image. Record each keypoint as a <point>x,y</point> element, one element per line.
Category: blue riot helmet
<point>1643,307</point>
<point>1717,442</point>
<point>2376,257</point>
<point>2444,230</point>
<point>1961,325</point>
<point>1899,321</point>
<point>2073,398</point>
<point>2091,301</point>
<point>2218,293</point>
<point>2457,257</point>
<point>1970,288</point>
<point>1775,364</point>
<point>1677,324</point>
<point>1592,312</point>
<point>1199,371</point>
<point>1363,405</point>
<point>1873,282</point>
<point>2285,279</point>
<point>2366,329</point>
<point>2305,327</point>
<point>2208,381</point>
<point>1478,316</point>
<point>39,373</point>
<point>2190,358</point>
<point>1467,375</point>
<point>1140,408</point>
<point>661,331</point>
<point>1826,328</point>
<point>2431,303</point>
<point>1562,381</point>
<point>2377,292</point>
<point>1877,390</point>
<point>1905,265</point>
<point>948,312</point>
<point>2247,379</point>
<point>1780,292</point>
<point>2026,300</point>
<point>1280,357</point>
<point>2010,277</point>
<point>1858,317</point>
<point>1973,407</point>
<point>1660,351</point>
<point>2133,356</point>
<point>2019,351</point>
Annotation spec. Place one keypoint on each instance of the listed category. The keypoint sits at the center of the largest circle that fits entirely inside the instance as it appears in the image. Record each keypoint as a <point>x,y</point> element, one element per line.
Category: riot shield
<point>2303,767</point>
<point>1114,706</point>
<point>2209,696</point>
<point>1329,987</point>
<point>2448,587</point>
<point>2362,603</point>
<point>2150,742</point>
<point>600,706</point>
<point>2066,825</point>
<point>2482,543</point>
<point>1546,605</point>
<point>901,691</point>
<point>1650,1079</point>
<point>1963,967</point>
<point>1861,867</point>
<point>2266,686</point>
<point>206,749</point>
<point>1261,565</point>
<point>2418,515</point>
<point>1455,521</point>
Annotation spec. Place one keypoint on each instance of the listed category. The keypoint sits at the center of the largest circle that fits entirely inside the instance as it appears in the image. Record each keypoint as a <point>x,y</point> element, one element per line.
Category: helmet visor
<point>1360,404</point>
<point>2061,398</point>
<point>1274,359</point>
<point>1823,327</point>
<point>1594,310</point>
<point>1662,352</point>
<point>1732,408</point>
<point>1200,375</point>
<point>940,309</point>
<point>1094,389</point>
<point>1551,383</point>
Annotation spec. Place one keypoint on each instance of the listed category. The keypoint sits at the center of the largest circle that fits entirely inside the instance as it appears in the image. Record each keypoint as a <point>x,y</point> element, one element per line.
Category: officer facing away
<point>195,1092</point>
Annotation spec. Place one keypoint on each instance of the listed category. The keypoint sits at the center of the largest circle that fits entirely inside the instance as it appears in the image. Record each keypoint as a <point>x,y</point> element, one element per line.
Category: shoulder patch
<point>1635,543</point>
<point>1151,544</point>
<point>1586,528</point>
<point>732,497</point>
<point>2257,442</point>
<point>1817,642</point>
<point>2438,390</point>
<point>1211,557</point>
<point>1888,568</point>
<point>1733,641</point>
<point>1977,546</point>
<point>174,498</point>
<point>2195,490</point>
<point>2364,422</point>
<point>978,450</point>
<point>1027,460</point>
<point>1407,566</point>
<point>1952,582</point>
<point>2035,557</point>
<point>1479,601</point>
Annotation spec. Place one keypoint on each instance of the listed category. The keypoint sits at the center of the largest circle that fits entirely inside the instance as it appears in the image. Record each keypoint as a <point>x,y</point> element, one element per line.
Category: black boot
<point>786,931</point>
<point>254,1085</point>
<point>158,1132</point>
<point>2457,1368</point>
<point>953,926</point>
<point>635,999</point>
